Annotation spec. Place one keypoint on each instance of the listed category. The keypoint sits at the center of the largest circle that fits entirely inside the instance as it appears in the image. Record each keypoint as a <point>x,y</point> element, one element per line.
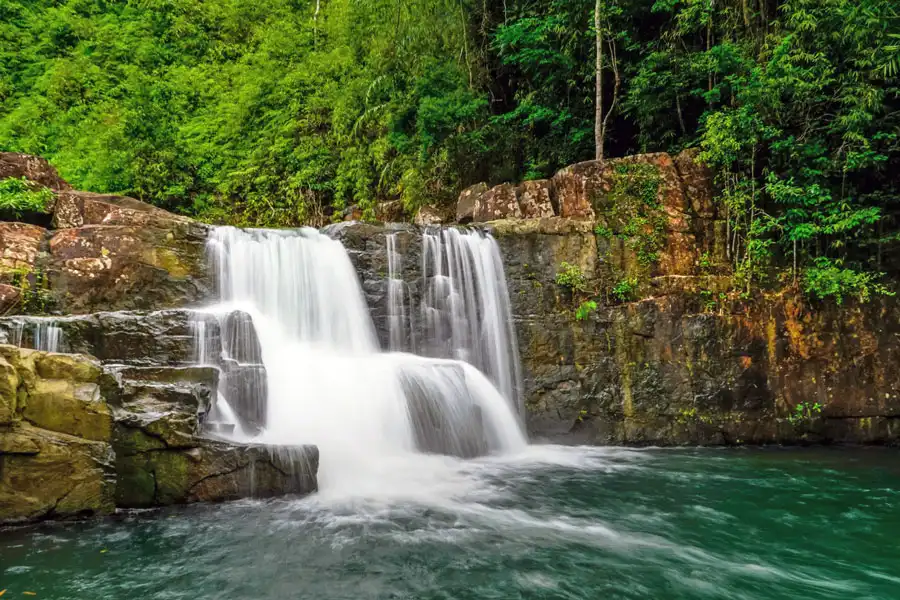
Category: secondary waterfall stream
<point>325,379</point>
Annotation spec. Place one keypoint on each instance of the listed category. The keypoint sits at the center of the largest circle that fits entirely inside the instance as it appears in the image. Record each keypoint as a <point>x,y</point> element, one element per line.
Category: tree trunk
<point>598,102</point>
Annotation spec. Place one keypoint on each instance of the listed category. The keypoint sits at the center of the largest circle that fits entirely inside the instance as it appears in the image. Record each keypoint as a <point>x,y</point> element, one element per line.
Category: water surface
<point>553,523</point>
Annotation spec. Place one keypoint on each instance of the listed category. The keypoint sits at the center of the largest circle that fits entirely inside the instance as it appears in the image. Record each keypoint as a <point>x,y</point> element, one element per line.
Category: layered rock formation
<point>121,421</point>
<point>666,355</point>
<point>101,253</point>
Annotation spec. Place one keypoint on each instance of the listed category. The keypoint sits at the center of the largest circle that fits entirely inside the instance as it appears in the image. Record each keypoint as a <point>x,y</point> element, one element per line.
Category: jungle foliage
<point>280,112</point>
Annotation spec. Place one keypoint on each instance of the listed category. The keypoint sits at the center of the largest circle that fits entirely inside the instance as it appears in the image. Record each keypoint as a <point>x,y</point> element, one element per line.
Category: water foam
<point>371,413</point>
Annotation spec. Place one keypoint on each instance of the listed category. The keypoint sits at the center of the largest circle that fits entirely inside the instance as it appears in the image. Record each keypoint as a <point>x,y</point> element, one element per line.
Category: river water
<point>551,522</point>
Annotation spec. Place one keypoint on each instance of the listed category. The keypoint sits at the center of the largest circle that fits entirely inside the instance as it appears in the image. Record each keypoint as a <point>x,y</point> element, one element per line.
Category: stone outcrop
<point>102,252</point>
<point>686,365</point>
<point>79,437</point>
<point>77,209</point>
<point>33,168</point>
<point>586,190</point>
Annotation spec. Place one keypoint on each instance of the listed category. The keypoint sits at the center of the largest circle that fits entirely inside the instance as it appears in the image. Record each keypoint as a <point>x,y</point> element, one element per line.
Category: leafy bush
<point>830,279</point>
<point>18,197</point>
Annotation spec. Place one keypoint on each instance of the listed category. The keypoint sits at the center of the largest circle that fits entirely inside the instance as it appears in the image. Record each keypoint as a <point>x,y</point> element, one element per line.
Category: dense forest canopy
<point>279,112</point>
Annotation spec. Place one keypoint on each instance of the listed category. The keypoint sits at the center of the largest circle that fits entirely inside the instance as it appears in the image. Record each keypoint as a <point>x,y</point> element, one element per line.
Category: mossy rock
<point>73,408</point>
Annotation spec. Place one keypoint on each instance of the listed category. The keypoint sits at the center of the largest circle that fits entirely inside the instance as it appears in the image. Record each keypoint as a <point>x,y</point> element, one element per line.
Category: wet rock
<point>137,338</point>
<point>441,424</point>
<point>246,387</point>
<point>500,202</point>
<point>33,168</point>
<point>239,338</point>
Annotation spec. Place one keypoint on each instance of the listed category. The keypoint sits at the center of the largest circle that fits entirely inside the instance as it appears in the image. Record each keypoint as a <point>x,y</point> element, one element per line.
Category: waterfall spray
<point>327,381</point>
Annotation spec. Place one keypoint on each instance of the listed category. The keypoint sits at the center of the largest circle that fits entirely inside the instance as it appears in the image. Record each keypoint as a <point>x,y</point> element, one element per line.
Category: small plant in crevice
<point>34,290</point>
<point>626,289</point>
<point>805,412</point>
<point>572,277</point>
<point>585,309</point>
<point>712,301</point>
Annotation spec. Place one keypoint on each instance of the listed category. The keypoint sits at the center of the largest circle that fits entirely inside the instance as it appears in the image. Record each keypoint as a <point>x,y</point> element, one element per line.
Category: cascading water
<point>328,383</point>
<point>465,307</point>
<point>45,334</point>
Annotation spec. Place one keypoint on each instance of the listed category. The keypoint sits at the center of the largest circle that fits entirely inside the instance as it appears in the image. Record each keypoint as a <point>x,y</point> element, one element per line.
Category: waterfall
<point>45,334</point>
<point>327,381</point>
<point>400,326</point>
<point>465,307</point>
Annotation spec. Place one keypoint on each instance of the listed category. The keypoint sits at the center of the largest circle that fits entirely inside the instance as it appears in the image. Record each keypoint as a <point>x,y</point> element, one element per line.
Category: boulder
<point>33,168</point>
<point>46,474</point>
<point>126,267</point>
<point>536,199</point>
<point>468,198</point>
<point>76,209</point>
<point>390,212</point>
<point>429,215</point>
<point>500,202</point>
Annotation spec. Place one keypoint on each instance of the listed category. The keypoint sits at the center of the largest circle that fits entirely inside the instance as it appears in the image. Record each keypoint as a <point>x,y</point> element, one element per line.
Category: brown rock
<point>429,215</point>
<point>20,245</point>
<point>468,198</point>
<point>127,267</point>
<point>389,212</point>
<point>500,202</point>
<point>10,297</point>
<point>576,186</point>
<point>75,209</point>
<point>33,168</point>
<point>697,183</point>
<point>536,199</point>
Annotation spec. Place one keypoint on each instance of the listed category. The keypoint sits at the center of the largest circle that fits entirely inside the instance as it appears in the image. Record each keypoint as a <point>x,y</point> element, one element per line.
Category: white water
<point>465,307</point>
<point>329,384</point>
<point>46,335</point>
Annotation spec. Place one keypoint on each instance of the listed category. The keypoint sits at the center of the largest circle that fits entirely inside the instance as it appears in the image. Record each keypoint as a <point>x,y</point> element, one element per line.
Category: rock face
<point>102,252</point>
<point>668,356</point>
<point>685,367</point>
<point>78,437</point>
<point>33,168</point>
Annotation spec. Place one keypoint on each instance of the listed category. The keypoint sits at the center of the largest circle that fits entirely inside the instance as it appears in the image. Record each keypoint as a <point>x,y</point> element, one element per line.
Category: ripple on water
<point>551,522</point>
